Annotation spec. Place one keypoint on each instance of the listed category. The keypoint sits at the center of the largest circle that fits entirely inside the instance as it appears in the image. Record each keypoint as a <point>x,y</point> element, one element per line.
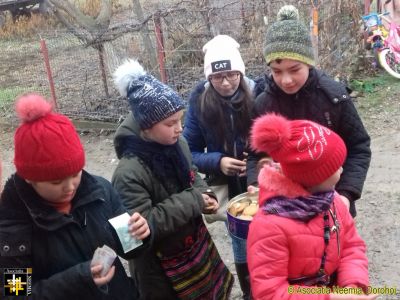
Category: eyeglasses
<point>219,78</point>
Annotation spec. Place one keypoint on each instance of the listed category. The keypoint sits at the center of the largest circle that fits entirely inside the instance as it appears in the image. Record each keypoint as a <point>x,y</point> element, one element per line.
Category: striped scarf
<point>300,208</point>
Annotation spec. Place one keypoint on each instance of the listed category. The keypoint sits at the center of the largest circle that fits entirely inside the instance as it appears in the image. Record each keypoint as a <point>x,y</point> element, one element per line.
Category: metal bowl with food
<point>240,211</point>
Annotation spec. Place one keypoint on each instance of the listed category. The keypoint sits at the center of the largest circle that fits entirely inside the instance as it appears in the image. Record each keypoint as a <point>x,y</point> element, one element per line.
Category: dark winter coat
<point>200,136</point>
<point>175,216</point>
<point>59,247</point>
<point>327,102</point>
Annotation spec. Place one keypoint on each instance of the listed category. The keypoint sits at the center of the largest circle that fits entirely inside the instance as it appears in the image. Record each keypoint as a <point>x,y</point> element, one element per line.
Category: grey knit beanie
<point>151,101</point>
<point>288,38</point>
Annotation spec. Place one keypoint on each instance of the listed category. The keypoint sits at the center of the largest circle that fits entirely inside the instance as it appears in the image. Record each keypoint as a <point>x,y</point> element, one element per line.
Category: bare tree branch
<point>74,30</point>
<point>117,31</point>
<point>78,22</point>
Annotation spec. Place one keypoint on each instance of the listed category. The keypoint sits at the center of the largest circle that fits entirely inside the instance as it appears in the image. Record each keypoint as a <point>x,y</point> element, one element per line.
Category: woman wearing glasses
<point>217,125</point>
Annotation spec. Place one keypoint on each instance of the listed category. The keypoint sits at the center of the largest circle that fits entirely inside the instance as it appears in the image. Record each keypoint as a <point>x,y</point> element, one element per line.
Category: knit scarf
<point>63,207</point>
<point>234,101</point>
<point>167,162</point>
<point>300,208</point>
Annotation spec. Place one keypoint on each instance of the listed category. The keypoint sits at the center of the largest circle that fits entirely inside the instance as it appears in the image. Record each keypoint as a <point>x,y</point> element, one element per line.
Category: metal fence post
<point>160,47</point>
<point>45,52</point>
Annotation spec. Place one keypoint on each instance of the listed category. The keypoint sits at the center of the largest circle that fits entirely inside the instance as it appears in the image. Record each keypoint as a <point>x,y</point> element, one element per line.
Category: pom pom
<point>288,12</point>
<point>269,132</point>
<point>31,107</point>
<point>127,72</point>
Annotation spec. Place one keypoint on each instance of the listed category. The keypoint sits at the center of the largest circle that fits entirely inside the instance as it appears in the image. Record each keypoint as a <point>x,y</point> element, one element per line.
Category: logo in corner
<point>17,281</point>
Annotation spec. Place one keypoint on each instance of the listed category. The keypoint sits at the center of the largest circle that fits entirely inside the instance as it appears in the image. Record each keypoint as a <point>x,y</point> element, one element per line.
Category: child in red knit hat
<point>303,243</point>
<point>53,214</point>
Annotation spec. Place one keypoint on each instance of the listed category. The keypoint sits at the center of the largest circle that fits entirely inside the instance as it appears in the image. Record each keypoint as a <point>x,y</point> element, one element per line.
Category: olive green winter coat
<point>175,217</point>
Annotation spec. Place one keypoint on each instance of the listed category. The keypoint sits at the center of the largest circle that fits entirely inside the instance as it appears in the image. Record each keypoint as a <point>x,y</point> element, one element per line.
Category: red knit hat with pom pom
<point>309,153</point>
<point>47,146</point>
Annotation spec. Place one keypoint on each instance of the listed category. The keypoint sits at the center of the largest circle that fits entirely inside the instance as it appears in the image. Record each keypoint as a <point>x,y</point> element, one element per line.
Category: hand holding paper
<point>101,265</point>
<point>138,226</point>
<point>130,230</point>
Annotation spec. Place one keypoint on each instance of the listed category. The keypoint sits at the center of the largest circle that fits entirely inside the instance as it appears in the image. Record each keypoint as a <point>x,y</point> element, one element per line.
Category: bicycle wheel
<point>387,61</point>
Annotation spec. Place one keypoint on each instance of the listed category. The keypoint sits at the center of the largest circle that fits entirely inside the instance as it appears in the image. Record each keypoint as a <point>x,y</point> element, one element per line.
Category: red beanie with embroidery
<point>47,146</point>
<point>308,153</point>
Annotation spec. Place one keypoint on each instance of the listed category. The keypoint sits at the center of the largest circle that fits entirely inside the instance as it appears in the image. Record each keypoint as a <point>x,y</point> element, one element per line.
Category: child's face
<point>328,184</point>
<point>58,191</point>
<point>167,131</point>
<point>225,83</point>
<point>290,75</point>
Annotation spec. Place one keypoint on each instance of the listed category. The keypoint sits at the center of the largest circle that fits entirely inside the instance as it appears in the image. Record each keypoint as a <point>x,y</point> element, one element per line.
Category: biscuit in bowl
<point>250,210</point>
<point>237,208</point>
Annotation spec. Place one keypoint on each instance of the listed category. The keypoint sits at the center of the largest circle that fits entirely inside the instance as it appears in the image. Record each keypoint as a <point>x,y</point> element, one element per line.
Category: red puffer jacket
<point>279,248</point>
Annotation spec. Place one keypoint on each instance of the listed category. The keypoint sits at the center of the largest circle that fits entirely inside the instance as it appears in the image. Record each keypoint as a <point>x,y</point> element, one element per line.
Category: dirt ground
<point>378,219</point>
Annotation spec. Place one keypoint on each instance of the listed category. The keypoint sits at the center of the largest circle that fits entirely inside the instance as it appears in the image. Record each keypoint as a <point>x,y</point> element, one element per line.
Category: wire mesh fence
<point>82,74</point>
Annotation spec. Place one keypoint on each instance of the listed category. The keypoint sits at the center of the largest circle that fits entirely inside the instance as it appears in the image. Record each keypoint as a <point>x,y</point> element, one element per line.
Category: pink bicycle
<point>385,43</point>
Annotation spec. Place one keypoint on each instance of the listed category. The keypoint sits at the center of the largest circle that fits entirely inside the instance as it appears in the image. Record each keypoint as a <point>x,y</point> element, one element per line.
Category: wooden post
<point>314,29</point>
<point>100,49</point>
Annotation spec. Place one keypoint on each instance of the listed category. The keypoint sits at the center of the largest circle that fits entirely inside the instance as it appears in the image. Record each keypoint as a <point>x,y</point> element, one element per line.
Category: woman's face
<point>58,191</point>
<point>225,83</point>
<point>167,131</point>
<point>290,75</point>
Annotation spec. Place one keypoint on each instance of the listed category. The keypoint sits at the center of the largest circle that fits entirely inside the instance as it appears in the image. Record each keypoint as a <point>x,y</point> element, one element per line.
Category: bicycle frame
<point>393,40</point>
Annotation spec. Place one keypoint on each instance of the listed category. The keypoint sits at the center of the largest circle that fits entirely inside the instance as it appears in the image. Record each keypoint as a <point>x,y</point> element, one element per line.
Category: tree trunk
<point>103,70</point>
<point>93,27</point>
<point>88,29</point>
<point>145,34</point>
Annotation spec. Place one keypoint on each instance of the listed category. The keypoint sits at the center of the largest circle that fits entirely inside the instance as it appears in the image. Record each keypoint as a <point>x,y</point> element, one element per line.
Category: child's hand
<point>138,226</point>
<point>232,166</point>
<point>269,162</point>
<point>96,274</point>
<point>210,204</point>
<point>251,189</point>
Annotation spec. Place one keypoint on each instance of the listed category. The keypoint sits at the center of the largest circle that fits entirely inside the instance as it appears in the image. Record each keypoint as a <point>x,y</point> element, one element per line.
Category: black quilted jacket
<point>59,247</point>
<point>327,102</point>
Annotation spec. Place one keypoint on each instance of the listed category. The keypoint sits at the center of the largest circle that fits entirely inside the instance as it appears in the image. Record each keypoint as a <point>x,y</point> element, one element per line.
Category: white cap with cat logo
<point>222,54</point>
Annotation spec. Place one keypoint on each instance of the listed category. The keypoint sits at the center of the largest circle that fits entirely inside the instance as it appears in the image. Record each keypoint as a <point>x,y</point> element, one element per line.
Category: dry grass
<point>27,26</point>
